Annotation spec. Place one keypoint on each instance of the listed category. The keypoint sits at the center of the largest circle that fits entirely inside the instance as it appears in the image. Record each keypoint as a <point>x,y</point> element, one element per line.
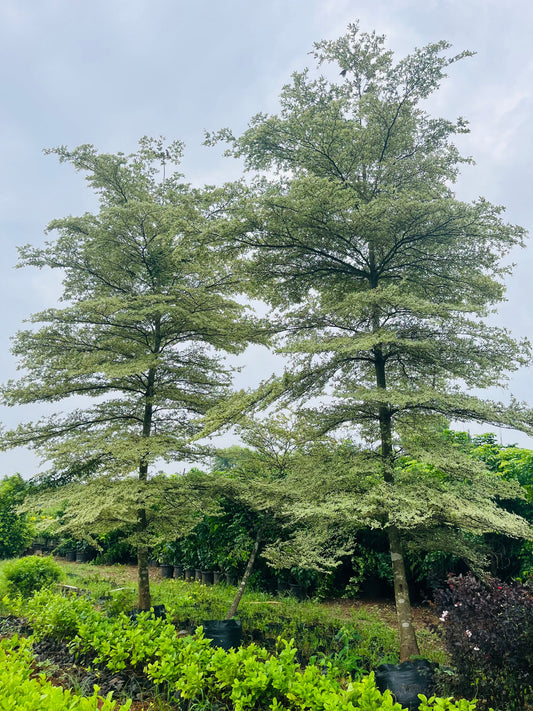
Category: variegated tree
<point>379,277</point>
<point>146,320</point>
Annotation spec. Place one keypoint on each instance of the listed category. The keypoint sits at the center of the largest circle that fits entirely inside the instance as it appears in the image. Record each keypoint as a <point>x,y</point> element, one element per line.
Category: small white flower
<point>468,633</point>
<point>476,649</point>
<point>442,618</point>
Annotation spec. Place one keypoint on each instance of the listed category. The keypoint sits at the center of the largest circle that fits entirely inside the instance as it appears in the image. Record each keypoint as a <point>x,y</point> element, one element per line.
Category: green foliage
<point>114,548</point>
<point>246,679</point>
<point>509,558</point>
<point>29,574</point>
<point>148,316</point>
<point>362,648</point>
<point>16,530</point>
<point>146,321</point>
<point>447,704</point>
<point>21,690</point>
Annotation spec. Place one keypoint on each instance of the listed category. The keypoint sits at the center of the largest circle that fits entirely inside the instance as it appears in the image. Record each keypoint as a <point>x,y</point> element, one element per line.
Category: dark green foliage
<point>488,629</point>
<point>115,549</point>
<point>16,531</point>
<point>30,574</point>
<point>509,558</point>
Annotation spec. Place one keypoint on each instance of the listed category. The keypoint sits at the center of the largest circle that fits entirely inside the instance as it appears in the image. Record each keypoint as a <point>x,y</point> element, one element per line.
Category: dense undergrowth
<point>21,689</point>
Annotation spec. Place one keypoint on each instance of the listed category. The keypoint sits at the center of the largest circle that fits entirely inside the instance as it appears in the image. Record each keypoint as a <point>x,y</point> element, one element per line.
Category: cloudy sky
<point>110,71</point>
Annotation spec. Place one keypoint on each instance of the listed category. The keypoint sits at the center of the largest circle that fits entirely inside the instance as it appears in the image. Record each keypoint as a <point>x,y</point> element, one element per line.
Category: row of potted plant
<point>70,549</point>
<point>207,577</point>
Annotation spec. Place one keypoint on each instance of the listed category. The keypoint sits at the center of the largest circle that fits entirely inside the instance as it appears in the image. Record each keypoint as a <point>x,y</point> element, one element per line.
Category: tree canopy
<point>380,281</point>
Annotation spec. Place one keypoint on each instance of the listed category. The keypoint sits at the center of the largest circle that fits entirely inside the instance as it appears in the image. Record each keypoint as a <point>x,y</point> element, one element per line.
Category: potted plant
<point>66,548</point>
<point>84,552</point>
<point>166,560</point>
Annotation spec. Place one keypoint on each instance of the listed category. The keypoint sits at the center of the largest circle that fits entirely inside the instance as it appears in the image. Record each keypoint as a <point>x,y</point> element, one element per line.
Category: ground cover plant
<point>22,690</point>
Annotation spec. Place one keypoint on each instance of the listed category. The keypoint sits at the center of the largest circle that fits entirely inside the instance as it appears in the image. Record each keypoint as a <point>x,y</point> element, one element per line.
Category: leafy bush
<point>56,616</point>
<point>20,690</point>
<point>29,574</point>
<point>488,629</point>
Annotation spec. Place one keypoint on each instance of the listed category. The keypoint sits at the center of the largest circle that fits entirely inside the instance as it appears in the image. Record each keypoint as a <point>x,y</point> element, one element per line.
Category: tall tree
<point>146,321</point>
<point>379,277</point>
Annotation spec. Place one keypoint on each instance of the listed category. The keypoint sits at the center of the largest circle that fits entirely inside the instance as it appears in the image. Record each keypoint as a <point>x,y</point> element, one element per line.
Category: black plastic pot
<point>406,680</point>
<point>198,575</point>
<point>83,556</point>
<point>167,571</point>
<point>207,577</point>
<point>70,556</point>
<point>297,591</point>
<point>223,633</point>
<point>230,579</point>
<point>189,574</point>
<point>178,571</point>
<point>217,577</point>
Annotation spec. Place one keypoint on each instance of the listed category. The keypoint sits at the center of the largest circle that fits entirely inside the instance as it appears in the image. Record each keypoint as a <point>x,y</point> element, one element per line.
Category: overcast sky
<point>110,71</point>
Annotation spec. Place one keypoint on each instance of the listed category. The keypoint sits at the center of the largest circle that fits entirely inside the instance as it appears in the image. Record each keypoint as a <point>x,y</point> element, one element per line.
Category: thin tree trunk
<point>144,600</point>
<point>406,629</point>
<point>240,591</point>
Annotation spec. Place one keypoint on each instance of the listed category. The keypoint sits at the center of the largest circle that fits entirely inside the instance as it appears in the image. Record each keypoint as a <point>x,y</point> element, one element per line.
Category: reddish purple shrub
<point>488,630</point>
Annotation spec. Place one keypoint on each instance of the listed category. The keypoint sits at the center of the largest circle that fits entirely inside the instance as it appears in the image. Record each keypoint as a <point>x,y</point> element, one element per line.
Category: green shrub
<point>20,690</point>
<point>246,679</point>
<point>29,574</point>
<point>16,531</point>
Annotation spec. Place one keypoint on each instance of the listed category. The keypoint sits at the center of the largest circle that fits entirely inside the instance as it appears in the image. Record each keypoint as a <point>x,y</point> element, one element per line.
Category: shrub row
<point>20,690</point>
<point>190,669</point>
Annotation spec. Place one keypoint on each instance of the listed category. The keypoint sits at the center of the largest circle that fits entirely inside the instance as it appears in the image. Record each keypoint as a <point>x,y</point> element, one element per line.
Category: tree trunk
<point>406,630</point>
<point>408,643</point>
<point>144,599</point>
<point>240,592</point>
